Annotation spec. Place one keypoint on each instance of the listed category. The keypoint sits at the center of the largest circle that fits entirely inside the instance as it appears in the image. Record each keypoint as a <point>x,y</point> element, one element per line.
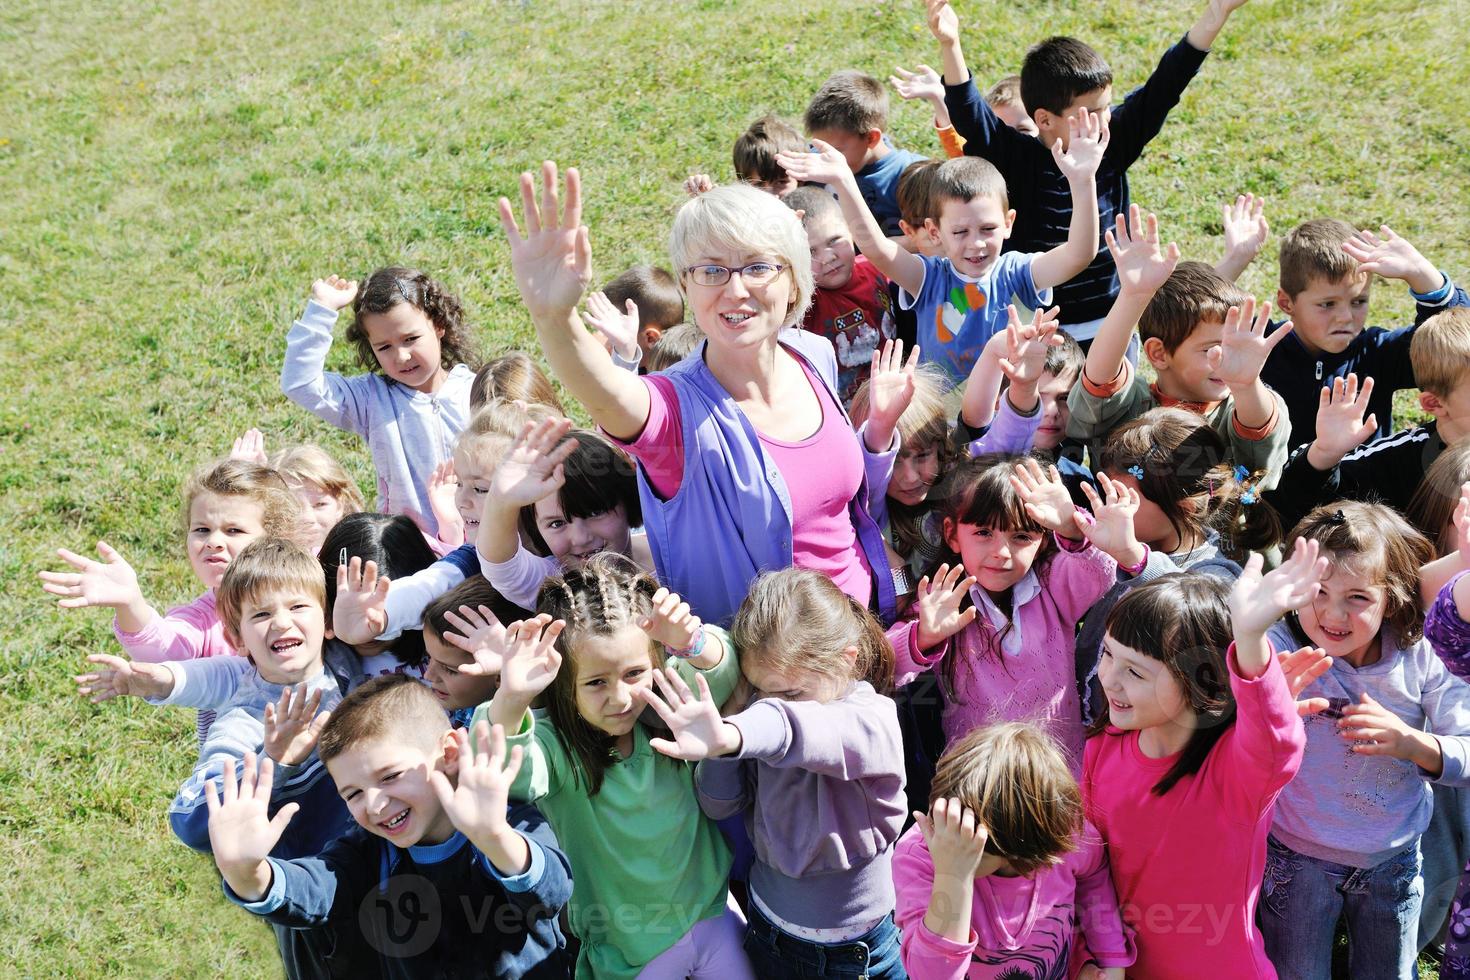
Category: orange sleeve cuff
<point>953,142</point>
<point>1121,380</point>
<point>1257,434</point>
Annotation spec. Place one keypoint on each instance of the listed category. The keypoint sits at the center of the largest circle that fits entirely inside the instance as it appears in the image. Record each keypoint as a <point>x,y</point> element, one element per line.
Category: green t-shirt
<point>647,864</point>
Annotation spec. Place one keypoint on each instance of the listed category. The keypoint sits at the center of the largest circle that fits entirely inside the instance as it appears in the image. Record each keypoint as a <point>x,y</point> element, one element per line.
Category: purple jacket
<point>821,788</point>
<point>731,517</point>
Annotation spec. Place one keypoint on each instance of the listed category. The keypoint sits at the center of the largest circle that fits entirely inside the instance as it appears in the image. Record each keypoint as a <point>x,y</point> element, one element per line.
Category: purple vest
<point>731,517</point>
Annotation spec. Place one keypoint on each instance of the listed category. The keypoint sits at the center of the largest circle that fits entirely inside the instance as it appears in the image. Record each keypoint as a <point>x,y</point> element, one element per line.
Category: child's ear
<point>1010,221</point>
<point>449,755</point>
<point>873,137</point>
<point>1283,301</point>
<point>231,637</point>
<point>850,655</point>
<point>1042,118</point>
<point>1430,402</point>
<point>649,335</point>
<point>949,529</point>
<point>1153,349</point>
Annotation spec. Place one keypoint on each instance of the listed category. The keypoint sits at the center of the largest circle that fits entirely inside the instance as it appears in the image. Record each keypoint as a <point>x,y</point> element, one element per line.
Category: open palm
<point>552,260</point>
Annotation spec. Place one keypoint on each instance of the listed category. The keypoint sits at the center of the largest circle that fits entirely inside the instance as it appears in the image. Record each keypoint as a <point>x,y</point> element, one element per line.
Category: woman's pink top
<point>1187,865</point>
<point>822,472</point>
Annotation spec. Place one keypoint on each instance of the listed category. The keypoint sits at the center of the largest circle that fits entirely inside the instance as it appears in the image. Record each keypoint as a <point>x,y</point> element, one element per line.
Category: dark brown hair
<point>473,592</point>
<point>598,478</point>
<point>1183,621</point>
<point>756,149</point>
<point>394,707</point>
<point>850,102</point>
<point>654,291</point>
<point>1016,781</point>
<point>916,193</point>
<point>385,288</point>
<point>1193,294</point>
<point>1313,250</point>
<point>1056,71</point>
<point>1375,538</point>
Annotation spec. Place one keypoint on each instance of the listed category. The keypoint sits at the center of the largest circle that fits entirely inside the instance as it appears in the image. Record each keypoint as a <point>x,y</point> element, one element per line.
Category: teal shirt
<point>647,864</point>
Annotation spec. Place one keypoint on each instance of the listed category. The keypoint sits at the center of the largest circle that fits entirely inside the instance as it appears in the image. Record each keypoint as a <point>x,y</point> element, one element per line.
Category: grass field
<point>175,175</point>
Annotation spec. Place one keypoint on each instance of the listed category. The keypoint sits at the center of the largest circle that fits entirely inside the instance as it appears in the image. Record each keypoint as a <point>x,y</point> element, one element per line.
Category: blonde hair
<point>495,425</point>
<point>740,219</point>
<point>268,565</point>
<point>310,463</point>
<point>797,619</point>
<point>1017,783</point>
<point>1440,351</point>
<point>280,510</point>
<point>927,417</point>
<point>511,377</point>
<point>677,343</point>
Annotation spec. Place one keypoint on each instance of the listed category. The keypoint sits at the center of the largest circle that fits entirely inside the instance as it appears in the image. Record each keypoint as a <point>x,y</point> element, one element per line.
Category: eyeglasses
<point>755,274</point>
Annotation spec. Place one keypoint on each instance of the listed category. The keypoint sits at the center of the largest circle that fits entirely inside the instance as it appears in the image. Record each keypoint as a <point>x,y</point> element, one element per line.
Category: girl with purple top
<point>998,626</point>
<point>815,766</point>
<point>746,458</point>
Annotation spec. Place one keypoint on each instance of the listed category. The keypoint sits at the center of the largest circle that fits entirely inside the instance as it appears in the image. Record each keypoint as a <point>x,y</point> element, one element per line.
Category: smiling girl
<point>410,336</point>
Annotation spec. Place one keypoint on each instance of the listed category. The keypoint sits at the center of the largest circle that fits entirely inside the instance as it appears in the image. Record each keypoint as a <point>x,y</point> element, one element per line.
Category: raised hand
<point>532,470</point>
<point>477,802</point>
<point>671,623</point>
<point>443,486</point>
<point>361,610</point>
<point>110,582</point>
<point>943,23</point>
<point>1087,141</point>
<point>924,83</point>
<point>241,832</point>
<point>1134,243</point>
<point>334,292</point>
<point>292,725</point>
<point>1341,427</point>
<point>481,635</point>
<point>117,677</point>
<point>1258,600</point>
<point>618,328</point>
<point>1244,345</point>
<point>825,166</point>
<point>1046,498</point>
<point>956,840</point>
<point>1110,526</point>
<point>1393,258</point>
<point>890,385</point>
<point>1027,345</point>
<point>553,259</point>
<point>693,719</point>
<point>250,448</point>
<point>940,616</point>
<point>1301,668</point>
<point>531,658</point>
<point>1246,230</point>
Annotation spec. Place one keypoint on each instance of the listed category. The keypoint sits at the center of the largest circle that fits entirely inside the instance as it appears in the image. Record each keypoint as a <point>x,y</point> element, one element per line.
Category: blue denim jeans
<point>1303,898</point>
<point>775,955</point>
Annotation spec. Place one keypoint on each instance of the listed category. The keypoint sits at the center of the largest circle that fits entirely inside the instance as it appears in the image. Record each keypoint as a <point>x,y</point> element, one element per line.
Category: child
<point>1002,874</point>
<point>1390,470</point>
<point>677,343</point>
<point>755,158</point>
<point>850,113</point>
<point>816,767</point>
<point>1326,271</point>
<point>651,898</point>
<point>1004,99</point>
<point>918,219</point>
<point>1200,740</point>
<point>959,300</point>
<point>652,296</point>
<point>851,306</point>
<point>513,377</point>
<point>556,501</point>
<point>439,877</point>
<point>998,624</point>
<point>465,639</point>
<point>326,492</point>
<point>1362,799</point>
<point>227,505</point>
<point>1200,338</point>
<point>1060,78</point>
<point>1433,505</point>
<point>406,326</point>
<point>387,547</point>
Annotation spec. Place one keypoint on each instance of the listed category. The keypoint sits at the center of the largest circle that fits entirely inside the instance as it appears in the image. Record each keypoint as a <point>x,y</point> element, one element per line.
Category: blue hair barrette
<point>1136,471</point>
<point>1249,497</point>
<point>1241,473</point>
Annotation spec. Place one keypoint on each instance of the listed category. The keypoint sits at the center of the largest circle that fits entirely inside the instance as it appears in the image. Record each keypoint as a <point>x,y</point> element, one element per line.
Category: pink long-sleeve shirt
<point>1018,926</point>
<point>186,633</point>
<point>1031,674</point>
<point>1187,865</point>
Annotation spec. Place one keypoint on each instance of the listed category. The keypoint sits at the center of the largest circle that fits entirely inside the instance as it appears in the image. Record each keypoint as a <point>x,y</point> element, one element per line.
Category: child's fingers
<point>1311,706</point>
<point>512,767</point>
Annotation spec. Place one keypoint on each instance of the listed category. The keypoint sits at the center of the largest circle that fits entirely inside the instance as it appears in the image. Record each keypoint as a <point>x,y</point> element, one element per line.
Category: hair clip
<point>1249,497</point>
<point>1337,518</point>
<point>1241,474</point>
<point>1136,471</point>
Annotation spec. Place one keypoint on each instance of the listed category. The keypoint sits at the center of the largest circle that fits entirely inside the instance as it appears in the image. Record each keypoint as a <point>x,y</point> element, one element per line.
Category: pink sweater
<point>1036,683</point>
<point>1019,927</point>
<point>1188,864</point>
<point>186,633</point>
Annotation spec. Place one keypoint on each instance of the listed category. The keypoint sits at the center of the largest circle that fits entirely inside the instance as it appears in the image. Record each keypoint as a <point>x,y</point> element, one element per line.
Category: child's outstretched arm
<point>945,26</point>
<point>304,378</point>
<point>250,448</point>
<point>672,624</point>
<point>1019,353</point>
<point>478,801</point>
<point>553,264</point>
<point>480,634</point>
<point>890,390</point>
<point>1246,231</point>
<point>359,613</point>
<point>116,677</point>
<point>1257,601</point>
<point>1046,499</point>
<point>531,471</point>
<point>1211,21</point>
<point>926,84</point>
<point>529,666</point>
<point>241,834</point>
<point>1142,267</point>
<point>617,328</point>
<point>1393,257</point>
<point>827,166</point>
<point>693,719</point>
<point>292,726</point>
<point>110,582</point>
<point>1110,525</point>
<point>1087,142</point>
<point>1237,361</point>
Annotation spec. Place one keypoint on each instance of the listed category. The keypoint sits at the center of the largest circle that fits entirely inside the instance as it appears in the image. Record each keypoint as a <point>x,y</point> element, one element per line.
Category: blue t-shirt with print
<point>956,314</point>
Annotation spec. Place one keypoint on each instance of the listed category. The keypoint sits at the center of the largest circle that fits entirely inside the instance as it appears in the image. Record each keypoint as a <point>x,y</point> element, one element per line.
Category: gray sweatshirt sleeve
<point>305,380</point>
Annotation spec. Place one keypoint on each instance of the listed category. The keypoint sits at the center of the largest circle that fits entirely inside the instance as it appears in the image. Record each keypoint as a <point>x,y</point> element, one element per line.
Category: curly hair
<point>386,288</point>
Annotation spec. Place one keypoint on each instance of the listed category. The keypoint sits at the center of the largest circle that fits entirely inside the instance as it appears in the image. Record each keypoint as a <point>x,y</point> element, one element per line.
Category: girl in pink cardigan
<point>998,626</point>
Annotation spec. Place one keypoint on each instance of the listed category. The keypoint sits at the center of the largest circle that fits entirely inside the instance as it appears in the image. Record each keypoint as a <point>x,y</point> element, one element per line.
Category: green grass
<point>175,175</point>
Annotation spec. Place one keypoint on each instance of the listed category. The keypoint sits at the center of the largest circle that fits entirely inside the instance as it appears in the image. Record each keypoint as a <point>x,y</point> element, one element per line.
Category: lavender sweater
<point>821,789</point>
